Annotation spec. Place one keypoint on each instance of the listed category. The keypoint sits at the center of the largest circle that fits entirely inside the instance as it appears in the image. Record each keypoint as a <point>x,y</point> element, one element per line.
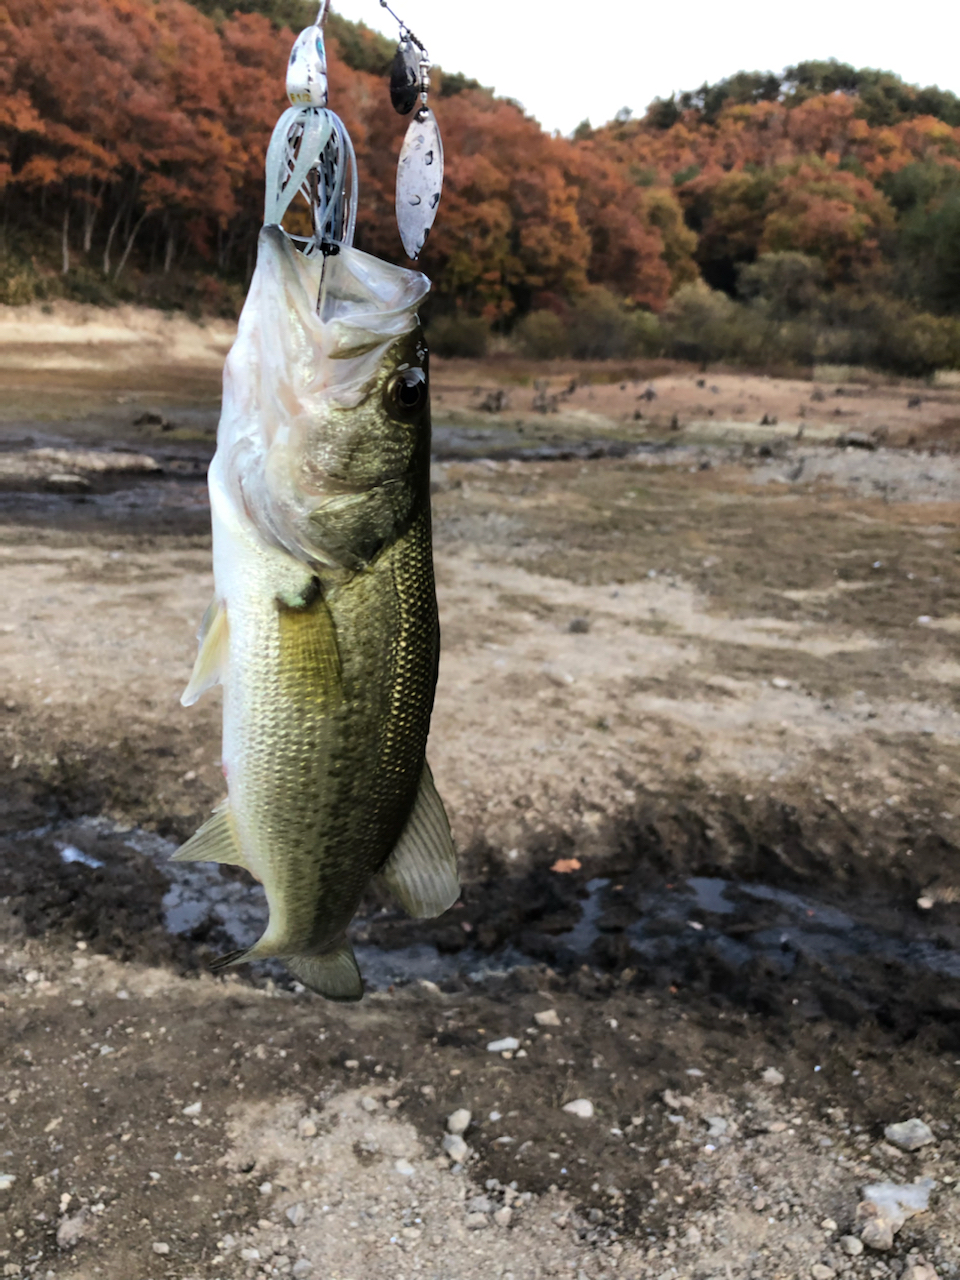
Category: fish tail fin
<point>333,974</point>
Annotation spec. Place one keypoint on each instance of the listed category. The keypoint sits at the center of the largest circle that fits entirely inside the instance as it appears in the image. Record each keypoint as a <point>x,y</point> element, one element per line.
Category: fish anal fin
<point>333,974</point>
<point>212,655</point>
<point>421,873</point>
<point>215,841</point>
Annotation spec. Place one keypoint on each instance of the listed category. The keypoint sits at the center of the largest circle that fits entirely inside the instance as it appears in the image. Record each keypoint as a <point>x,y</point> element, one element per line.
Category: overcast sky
<point>569,61</point>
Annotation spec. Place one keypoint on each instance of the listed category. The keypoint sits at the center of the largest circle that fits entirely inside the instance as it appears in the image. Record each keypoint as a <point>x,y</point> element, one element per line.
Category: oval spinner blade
<point>419,181</point>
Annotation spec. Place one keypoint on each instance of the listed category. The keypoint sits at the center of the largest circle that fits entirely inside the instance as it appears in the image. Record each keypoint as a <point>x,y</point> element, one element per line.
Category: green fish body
<point>323,630</point>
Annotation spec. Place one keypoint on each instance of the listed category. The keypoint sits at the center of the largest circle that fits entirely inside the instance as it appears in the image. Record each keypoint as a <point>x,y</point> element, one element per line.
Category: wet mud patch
<point>653,906</point>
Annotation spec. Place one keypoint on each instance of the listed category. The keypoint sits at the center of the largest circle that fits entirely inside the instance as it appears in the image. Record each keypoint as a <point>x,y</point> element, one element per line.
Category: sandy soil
<point>697,729</point>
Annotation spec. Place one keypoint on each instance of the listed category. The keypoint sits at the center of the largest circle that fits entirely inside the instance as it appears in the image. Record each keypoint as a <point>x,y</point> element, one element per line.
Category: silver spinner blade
<point>419,181</point>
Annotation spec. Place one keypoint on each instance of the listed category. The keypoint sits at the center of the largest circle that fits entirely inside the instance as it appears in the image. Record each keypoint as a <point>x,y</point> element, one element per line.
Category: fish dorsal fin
<point>333,974</point>
<point>212,657</point>
<point>421,873</point>
<point>216,841</point>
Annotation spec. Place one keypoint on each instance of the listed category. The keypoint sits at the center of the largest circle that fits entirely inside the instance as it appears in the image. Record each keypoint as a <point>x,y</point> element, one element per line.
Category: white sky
<point>541,53</point>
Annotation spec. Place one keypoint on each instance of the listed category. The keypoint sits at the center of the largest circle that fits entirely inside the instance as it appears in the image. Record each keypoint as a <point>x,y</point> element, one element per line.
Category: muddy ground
<point>698,732</point>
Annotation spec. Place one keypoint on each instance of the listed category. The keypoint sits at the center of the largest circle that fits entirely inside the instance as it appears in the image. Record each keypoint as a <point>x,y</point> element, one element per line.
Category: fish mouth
<point>350,303</point>
<point>316,339</point>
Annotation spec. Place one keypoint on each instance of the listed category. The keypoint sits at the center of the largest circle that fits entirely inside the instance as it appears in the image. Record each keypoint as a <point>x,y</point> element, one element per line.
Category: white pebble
<point>194,1109</point>
<point>265,1188</point>
<point>852,1246</point>
<point>772,1076</point>
<point>502,1216</point>
<point>160,1246</point>
<point>369,1104</point>
<point>455,1147</point>
<point>404,1167</point>
<point>547,1018</point>
<point>581,1107</point>
<point>507,1044</point>
<point>306,1128</point>
<point>459,1121</point>
<point>250,1255</point>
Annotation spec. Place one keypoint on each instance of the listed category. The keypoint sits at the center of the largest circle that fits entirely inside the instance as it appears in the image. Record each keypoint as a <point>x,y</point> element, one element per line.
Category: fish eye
<point>408,391</point>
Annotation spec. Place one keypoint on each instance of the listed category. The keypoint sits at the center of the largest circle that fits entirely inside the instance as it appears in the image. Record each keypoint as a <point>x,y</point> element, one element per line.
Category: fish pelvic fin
<point>421,873</point>
<point>334,974</point>
<point>211,660</point>
<point>215,841</point>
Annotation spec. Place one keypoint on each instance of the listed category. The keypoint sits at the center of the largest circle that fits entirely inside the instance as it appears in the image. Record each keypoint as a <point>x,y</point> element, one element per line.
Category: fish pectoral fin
<point>334,974</point>
<point>215,841</point>
<point>212,656</point>
<point>421,873</point>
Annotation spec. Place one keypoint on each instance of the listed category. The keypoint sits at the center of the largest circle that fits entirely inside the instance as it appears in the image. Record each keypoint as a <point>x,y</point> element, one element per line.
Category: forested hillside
<point>810,215</point>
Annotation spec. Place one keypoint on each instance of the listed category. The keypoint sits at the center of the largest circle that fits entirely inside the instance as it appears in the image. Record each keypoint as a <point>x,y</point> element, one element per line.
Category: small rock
<point>691,1238</point>
<point>161,1247</point>
<point>265,1188</point>
<point>909,1135</point>
<point>296,1214</point>
<point>579,626</point>
<point>194,1109</point>
<point>72,1230</point>
<point>404,1167</point>
<point>351,1064</point>
<point>479,1204</point>
<point>302,1267</point>
<point>369,1104</point>
<point>771,1076</point>
<point>851,1246</point>
<point>7,1180</point>
<point>250,1255</point>
<point>676,1101</point>
<point>306,1128</point>
<point>459,1121</point>
<point>820,1271</point>
<point>918,1271</point>
<point>581,1107</point>
<point>717,1126</point>
<point>456,1148</point>
<point>502,1216</point>
<point>828,1224</point>
<point>547,1018</point>
<point>886,1206</point>
<point>508,1043</point>
<point>410,1233</point>
<point>475,1221</point>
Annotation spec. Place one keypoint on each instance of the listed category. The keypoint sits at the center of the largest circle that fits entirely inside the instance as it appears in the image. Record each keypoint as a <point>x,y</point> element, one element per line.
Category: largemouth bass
<point>323,629</point>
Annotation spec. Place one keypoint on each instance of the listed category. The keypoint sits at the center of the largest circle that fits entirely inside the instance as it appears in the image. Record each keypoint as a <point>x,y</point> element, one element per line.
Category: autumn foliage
<point>133,133</point>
